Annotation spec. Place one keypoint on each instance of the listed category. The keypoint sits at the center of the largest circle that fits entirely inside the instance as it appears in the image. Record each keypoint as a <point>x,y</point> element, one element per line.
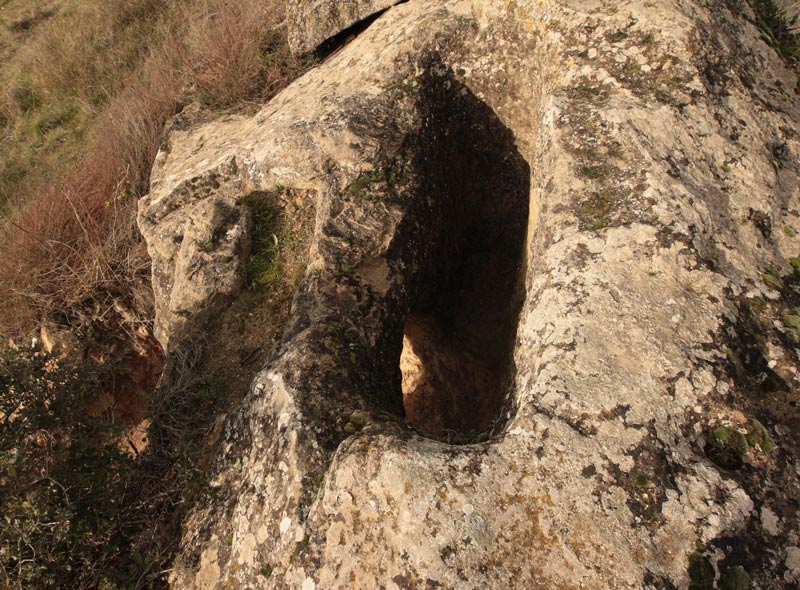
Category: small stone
<point>467,509</point>
<point>285,524</point>
<point>730,102</point>
<point>770,522</point>
<point>309,584</point>
<point>793,563</point>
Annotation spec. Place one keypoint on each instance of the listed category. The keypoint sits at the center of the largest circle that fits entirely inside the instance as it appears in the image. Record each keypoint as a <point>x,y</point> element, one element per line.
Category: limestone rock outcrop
<point>625,174</point>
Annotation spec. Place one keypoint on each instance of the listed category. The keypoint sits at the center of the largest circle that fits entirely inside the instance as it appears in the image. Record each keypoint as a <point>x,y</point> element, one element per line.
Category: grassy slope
<point>67,63</point>
<point>22,139</point>
<point>85,89</point>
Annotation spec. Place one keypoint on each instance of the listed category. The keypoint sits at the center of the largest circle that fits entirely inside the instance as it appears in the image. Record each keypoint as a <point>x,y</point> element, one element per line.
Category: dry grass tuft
<point>230,55</point>
<point>83,120</point>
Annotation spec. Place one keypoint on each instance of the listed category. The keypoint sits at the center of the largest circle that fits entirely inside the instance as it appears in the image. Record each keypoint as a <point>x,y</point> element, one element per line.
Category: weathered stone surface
<point>313,21</point>
<point>200,236</point>
<point>657,144</point>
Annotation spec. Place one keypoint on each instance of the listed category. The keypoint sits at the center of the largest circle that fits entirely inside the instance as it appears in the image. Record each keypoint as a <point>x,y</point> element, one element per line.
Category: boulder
<point>592,205</point>
<point>311,22</point>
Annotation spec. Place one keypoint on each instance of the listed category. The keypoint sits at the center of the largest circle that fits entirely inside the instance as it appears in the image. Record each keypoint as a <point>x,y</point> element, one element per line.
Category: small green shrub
<point>726,447</point>
<point>62,474</point>
<point>641,480</point>
<point>360,186</point>
<point>772,279</point>
<point>735,578</point>
<point>701,573</point>
<point>791,322</point>
<point>263,268</point>
<point>795,262</point>
<point>758,436</point>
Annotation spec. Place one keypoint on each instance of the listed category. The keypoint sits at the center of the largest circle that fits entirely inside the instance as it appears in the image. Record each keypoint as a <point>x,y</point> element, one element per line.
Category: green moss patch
<point>772,279</point>
<point>726,447</point>
<point>361,186</point>
<point>791,323</point>
<point>758,436</point>
<point>735,578</point>
<point>795,262</point>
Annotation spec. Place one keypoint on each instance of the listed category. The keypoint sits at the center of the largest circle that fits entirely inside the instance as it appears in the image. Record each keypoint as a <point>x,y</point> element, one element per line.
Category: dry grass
<point>227,49</point>
<point>89,52</point>
<point>792,10</point>
<point>83,114</point>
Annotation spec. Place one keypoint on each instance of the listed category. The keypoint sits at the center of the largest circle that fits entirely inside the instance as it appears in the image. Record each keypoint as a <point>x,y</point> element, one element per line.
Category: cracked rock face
<point>313,21</point>
<point>201,237</point>
<point>641,161</point>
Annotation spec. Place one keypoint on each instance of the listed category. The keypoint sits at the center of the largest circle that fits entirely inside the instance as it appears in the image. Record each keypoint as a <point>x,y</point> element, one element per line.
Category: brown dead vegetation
<point>107,75</point>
